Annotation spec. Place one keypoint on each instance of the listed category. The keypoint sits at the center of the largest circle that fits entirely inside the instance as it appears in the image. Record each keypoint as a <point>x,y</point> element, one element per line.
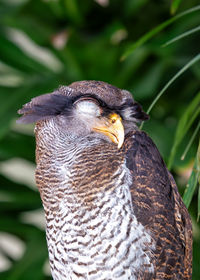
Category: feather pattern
<point>159,207</point>
<point>93,223</point>
<point>110,213</point>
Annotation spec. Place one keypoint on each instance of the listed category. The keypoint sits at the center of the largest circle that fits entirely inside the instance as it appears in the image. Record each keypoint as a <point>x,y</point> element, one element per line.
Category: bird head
<point>86,108</point>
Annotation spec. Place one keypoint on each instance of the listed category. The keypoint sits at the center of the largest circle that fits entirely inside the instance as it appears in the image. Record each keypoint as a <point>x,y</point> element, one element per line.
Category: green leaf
<point>33,260</point>
<point>154,31</point>
<point>174,6</point>
<point>130,66</point>
<point>198,215</point>
<point>17,197</point>
<point>147,84</point>
<point>18,96</point>
<point>184,124</point>
<point>30,266</point>
<point>191,141</point>
<point>181,71</point>
<point>12,55</point>
<point>183,35</point>
<point>17,145</point>
<point>193,181</point>
<point>198,160</point>
<point>72,10</point>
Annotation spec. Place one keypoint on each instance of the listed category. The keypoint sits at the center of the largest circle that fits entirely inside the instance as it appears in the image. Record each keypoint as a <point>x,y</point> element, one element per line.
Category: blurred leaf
<point>148,82</point>
<point>183,35</point>
<point>17,197</point>
<point>198,159</point>
<point>184,124</point>
<point>155,129</point>
<point>196,258</point>
<point>198,215</point>
<point>32,261</point>
<point>15,57</point>
<point>183,69</point>
<point>31,264</point>
<point>130,66</point>
<point>19,96</point>
<point>191,141</point>
<point>193,181</point>
<point>41,55</point>
<point>13,225</point>
<point>132,7</point>
<point>72,10</point>
<point>17,145</point>
<point>154,31</point>
<point>198,167</point>
<point>174,6</point>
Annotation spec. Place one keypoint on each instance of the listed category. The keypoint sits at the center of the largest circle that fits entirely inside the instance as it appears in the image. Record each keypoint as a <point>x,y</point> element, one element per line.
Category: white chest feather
<point>106,242</point>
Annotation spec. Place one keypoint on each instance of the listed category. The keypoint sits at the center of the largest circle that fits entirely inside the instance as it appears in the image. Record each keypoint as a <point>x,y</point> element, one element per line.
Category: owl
<point>112,208</point>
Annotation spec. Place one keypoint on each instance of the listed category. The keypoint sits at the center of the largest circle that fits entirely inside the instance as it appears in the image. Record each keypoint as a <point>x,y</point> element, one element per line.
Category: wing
<point>158,206</point>
<point>184,226</point>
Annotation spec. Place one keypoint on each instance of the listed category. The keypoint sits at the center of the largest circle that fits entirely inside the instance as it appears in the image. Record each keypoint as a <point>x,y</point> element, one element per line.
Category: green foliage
<point>185,117</point>
<point>193,182</point>
<point>44,44</point>
<point>185,122</point>
<point>183,35</point>
<point>174,6</point>
<point>157,29</point>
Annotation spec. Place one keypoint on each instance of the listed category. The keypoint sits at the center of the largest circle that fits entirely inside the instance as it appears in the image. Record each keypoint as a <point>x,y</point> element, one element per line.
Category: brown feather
<point>159,207</point>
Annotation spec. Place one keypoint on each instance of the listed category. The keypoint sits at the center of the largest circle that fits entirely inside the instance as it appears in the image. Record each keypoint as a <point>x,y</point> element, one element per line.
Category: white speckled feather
<point>79,247</point>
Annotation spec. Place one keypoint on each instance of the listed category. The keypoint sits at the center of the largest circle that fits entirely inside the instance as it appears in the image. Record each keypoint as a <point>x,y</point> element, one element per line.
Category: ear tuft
<point>138,112</point>
<point>43,107</point>
<point>132,111</point>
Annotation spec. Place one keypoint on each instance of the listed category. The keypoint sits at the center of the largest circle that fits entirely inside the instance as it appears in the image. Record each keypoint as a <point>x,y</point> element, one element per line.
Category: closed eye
<point>88,106</point>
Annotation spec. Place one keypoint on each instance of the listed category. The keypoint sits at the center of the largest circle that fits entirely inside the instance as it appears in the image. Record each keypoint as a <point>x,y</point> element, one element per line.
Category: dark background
<point>44,44</point>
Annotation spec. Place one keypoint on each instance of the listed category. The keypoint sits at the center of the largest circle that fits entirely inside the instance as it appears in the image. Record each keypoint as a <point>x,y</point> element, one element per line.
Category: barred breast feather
<point>92,231</point>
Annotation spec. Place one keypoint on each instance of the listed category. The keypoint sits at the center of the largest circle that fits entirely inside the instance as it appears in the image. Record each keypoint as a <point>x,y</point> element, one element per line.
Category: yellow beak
<point>113,128</point>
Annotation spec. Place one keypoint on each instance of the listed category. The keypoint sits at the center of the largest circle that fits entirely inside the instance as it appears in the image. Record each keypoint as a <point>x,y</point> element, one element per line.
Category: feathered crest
<point>61,102</point>
<point>138,112</point>
<point>43,107</point>
<point>132,110</point>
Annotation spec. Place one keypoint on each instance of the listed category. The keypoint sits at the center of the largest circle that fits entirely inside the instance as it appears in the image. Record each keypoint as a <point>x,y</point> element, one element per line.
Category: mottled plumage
<point>112,209</point>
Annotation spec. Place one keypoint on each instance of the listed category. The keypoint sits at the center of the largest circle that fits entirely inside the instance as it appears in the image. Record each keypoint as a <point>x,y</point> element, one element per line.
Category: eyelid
<point>87,99</point>
<point>83,106</point>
